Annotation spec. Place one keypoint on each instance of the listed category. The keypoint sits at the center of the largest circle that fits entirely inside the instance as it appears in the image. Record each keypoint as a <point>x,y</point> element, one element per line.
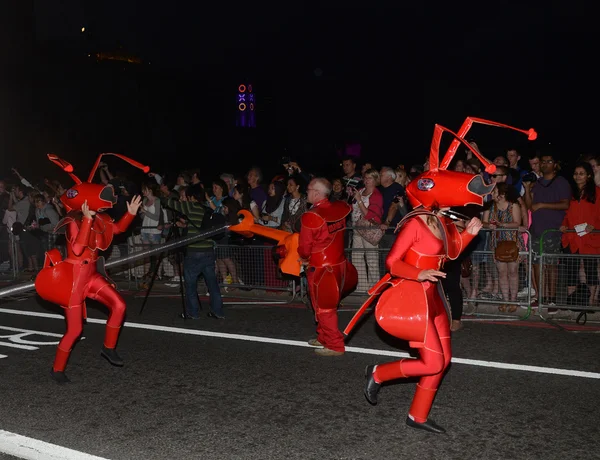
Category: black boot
<point>59,377</point>
<point>111,355</point>
<point>428,425</point>
<point>371,386</point>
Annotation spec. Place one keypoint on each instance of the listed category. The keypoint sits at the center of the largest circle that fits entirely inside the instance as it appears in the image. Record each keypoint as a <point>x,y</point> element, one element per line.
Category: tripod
<point>173,233</point>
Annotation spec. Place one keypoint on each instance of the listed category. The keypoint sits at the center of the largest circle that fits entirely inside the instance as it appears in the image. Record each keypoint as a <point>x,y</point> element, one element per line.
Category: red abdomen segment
<point>403,312</point>
<point>55,283</point>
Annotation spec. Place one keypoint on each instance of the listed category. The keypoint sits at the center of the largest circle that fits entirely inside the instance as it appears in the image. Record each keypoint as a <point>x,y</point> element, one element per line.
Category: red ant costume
<point>329,275</point>
<point>68,282</point>
<point>414,308</point>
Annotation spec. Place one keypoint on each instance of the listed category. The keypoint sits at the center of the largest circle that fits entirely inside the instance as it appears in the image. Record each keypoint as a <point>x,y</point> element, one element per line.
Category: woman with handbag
<point>367,212</point>
<point>505,215</point>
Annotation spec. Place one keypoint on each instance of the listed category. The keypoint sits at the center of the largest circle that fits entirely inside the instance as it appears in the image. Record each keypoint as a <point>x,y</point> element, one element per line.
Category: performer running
<point>330,276</point>
<point>68,282</point>
<point>414,308</point>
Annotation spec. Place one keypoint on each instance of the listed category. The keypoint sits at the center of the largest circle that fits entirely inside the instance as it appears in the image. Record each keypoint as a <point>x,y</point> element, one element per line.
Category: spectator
<point>294,205</point>
<point>505,213</point>
<point>368,204</point>
<point>584,208</point>
<point>548,199</point>
<point>338,191</point>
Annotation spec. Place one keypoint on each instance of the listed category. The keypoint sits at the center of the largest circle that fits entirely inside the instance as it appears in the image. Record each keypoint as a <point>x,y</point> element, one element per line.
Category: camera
<point>529,177</point>
<point>354,183</point>
<point>398,197</point>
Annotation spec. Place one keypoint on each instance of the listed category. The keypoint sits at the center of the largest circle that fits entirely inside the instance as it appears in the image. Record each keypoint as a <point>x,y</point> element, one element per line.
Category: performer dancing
<point>414,308</point>
<point>68,282</point>
<point>330,276</point>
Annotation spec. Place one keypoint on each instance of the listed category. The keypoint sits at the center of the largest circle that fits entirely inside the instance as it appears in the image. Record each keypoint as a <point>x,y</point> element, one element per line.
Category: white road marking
<point>297,343</point>
<point>32,449</point>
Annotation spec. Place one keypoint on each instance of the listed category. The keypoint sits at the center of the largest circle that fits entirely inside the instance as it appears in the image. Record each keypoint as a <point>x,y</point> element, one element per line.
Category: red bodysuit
<point>68,282</point>
<point>415,310</point>
<point>330,276</point>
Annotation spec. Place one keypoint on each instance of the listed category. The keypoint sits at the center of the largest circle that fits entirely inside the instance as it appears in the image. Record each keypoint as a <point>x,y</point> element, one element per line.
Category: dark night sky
<point>388,74</point>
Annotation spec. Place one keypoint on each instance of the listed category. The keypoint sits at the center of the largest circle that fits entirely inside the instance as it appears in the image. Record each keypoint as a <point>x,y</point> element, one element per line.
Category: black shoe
<point>210,314</point>
<point>111,355</point>
<point>428,425</point>
<point>59,377</point>
<point>186,316</point>
<point>371,386</point>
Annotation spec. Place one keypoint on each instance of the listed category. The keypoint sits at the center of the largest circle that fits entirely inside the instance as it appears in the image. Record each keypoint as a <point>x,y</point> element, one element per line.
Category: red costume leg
<point>102,291</point>
<point>434,359</point>
<point>74,318</point>
<point>430,361</point>
<point>325,296</point>
<point>428,385</point>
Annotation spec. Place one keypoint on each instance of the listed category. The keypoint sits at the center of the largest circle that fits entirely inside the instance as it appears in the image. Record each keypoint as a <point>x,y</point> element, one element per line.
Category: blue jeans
<point>194,265</point>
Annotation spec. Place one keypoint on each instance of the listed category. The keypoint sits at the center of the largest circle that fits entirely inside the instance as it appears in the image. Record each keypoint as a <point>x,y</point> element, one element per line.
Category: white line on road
<point>297,343</point>
<point>32,449</point>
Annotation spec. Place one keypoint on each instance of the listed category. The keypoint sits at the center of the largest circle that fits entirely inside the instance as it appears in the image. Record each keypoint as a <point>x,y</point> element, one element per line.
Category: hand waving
<point>134,204</point>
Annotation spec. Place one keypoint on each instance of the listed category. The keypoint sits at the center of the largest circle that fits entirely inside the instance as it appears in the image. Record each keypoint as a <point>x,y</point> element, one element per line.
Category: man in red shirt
<point>330,276</point>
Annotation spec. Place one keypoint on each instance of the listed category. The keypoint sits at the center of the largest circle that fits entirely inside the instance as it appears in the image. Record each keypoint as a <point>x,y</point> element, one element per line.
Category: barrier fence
<point>565,280</point>
<point>509,288</point>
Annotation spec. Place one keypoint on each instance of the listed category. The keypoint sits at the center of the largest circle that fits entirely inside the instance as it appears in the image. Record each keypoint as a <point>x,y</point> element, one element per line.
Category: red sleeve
<point>409,234</point>
<point>466,238</point>
<point>123,223</point>
<point>81,234</point>
<point>375,209</point>
<point>306,241</point>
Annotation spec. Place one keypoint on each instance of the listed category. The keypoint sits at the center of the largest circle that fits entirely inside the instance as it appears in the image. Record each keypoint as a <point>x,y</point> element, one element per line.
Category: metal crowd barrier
<point>573,278</point>
<point>249,266</point>
<point>241,268</point>
<point>129,258</point>
<point>370,264</point>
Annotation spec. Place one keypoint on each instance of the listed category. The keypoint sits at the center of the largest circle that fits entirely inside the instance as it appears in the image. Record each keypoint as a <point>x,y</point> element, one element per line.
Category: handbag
<point>507,251</point>
<point>369,230</point>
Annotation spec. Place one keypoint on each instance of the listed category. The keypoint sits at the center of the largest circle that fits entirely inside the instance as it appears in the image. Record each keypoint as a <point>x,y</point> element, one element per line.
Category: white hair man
<point>330,276</point>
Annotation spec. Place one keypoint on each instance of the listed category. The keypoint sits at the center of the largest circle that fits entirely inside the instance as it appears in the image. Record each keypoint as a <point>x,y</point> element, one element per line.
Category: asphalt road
<point>249,387</point>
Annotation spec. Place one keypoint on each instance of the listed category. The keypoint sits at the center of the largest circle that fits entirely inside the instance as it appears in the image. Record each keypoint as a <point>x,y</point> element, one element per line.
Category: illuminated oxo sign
<point>246,104</point>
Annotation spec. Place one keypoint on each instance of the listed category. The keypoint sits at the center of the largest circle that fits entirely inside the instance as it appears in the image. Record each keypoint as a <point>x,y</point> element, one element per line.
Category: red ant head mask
<point>98,196</point>
<point>440,188</point>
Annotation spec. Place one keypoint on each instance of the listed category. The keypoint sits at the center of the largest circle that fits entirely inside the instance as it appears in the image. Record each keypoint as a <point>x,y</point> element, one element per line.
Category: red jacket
<point>580,212</point>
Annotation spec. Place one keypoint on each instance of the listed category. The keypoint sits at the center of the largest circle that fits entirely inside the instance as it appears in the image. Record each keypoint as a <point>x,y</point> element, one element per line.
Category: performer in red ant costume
<point>68,282</point>
<point>330,276</point>
<point>414,307</point>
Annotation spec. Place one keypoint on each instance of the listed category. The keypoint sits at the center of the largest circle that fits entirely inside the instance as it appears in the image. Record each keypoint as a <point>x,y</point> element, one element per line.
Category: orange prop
<point>287,243</point>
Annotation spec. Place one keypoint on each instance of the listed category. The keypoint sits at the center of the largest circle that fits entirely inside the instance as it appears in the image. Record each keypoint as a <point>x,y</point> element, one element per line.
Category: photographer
<point>294,169</point>
<point>352,178</point>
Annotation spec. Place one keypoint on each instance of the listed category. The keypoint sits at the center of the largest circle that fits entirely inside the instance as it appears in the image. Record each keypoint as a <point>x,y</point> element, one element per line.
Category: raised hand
<point>134,204</point>
<point>87,212</point>
<point>474,226</point>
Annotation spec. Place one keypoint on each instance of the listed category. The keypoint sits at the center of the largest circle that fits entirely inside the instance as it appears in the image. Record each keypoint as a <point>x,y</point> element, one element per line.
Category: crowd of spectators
<point>531,195</point>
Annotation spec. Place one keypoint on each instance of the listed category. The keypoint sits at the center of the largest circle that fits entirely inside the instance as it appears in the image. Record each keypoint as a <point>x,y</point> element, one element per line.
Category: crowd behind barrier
<point>500,270</point>
<point>250,268</point>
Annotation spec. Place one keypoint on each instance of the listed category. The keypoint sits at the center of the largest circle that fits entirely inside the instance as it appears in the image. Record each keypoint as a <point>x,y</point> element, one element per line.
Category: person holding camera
<point>367,209</point>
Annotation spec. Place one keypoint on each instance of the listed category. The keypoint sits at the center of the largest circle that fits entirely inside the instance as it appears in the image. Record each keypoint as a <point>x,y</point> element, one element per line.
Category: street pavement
<point>250,387</point>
